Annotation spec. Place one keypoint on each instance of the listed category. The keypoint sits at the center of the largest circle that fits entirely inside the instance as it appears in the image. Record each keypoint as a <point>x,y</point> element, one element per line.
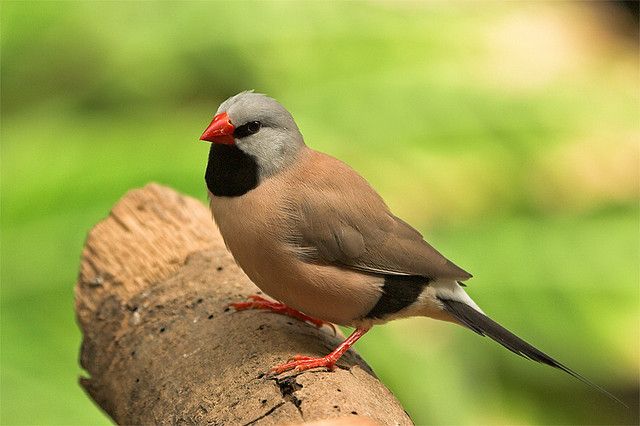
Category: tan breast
<point>254,227</point>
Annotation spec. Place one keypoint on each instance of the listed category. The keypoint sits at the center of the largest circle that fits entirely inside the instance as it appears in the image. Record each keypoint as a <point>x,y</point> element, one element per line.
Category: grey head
<point>253,137</point>
<point>276,142</point>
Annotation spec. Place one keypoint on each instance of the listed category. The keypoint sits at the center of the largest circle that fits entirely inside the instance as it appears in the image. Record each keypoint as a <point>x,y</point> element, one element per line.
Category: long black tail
<point>485,326</point>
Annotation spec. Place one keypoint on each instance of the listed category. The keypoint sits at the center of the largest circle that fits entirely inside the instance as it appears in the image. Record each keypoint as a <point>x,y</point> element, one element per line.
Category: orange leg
<point>301,362</point>
<point>259,302</point>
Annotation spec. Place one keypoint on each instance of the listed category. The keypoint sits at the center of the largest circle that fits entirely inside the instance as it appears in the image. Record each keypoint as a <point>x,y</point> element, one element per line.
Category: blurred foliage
<point>507,132</point>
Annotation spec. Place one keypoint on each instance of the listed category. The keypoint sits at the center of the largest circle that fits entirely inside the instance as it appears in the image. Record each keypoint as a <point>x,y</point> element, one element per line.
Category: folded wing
<point>345,222</point>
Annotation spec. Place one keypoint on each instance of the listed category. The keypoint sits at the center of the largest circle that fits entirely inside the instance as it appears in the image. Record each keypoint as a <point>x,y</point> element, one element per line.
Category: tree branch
<point>160,346</point>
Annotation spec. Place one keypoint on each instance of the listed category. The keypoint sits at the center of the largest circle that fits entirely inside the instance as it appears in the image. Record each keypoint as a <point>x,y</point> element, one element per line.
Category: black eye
<point>253,126</point>
<point>247,129</point>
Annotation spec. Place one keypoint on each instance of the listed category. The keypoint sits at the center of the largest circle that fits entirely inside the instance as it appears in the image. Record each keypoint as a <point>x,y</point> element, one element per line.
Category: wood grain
<point>161,347</point>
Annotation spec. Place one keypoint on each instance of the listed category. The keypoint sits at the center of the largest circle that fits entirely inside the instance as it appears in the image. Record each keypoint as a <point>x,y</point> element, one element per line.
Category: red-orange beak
<point>220,130</point>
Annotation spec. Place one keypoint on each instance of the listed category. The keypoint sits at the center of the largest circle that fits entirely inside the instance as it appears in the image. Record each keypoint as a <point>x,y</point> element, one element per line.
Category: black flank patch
<point>230,172</point>
<point>398,292</point>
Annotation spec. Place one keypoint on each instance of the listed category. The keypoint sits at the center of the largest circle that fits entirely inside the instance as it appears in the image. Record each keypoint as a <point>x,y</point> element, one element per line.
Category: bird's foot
<point>302,363</point>
<point>259,302</point>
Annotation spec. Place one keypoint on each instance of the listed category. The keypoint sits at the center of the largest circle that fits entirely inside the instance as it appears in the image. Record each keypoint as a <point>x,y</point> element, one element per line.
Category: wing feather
<point>344,221</point>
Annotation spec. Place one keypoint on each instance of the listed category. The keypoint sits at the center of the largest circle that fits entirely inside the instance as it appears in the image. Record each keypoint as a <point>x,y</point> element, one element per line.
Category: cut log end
<point>160,345</point>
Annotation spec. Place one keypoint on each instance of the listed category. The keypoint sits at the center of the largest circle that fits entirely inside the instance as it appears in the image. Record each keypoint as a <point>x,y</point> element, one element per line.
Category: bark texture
<point>160,346</point>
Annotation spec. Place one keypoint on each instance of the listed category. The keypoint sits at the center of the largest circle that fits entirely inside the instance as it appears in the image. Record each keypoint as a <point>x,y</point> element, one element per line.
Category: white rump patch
<point>451,290</point>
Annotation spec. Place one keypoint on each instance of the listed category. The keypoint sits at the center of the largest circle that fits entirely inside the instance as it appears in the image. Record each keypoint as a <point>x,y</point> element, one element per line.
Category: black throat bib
<point>230,171</point>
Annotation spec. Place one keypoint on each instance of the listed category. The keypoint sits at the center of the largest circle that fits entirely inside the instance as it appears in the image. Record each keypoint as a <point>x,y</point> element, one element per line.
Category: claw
<point>259,302</point>
<point>301,358</point>
<point>302,363</point>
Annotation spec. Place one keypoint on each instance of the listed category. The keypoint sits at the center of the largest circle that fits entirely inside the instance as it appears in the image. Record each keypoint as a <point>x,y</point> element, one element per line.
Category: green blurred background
<point>507,132</point>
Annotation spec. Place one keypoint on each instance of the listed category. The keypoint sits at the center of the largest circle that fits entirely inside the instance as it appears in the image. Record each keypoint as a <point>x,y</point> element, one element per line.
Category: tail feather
<point>485,326</point>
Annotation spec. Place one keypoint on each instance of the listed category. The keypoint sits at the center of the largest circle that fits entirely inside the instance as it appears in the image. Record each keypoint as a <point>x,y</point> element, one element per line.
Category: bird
<point>314,235</point>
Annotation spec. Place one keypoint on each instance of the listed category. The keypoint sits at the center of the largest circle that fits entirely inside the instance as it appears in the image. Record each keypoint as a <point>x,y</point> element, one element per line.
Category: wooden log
<point>161,347</point>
